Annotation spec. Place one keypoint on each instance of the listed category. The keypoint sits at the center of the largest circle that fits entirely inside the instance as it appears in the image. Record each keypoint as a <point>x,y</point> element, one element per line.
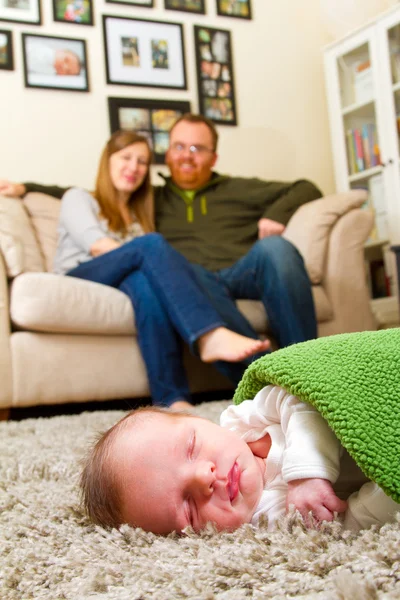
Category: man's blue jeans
<point>272,271</point>
<point>168,302</point>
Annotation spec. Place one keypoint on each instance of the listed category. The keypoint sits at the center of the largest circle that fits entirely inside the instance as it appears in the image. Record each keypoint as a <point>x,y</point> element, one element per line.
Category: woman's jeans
<point>168,302</point>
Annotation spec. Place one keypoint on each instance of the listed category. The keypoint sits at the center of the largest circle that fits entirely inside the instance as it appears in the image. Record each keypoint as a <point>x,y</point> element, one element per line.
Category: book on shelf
<point>362,148</point>
<point>363,81</point>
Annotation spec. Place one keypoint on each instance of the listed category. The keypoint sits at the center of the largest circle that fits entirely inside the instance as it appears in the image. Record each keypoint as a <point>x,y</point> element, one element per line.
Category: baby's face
<point>66,63</point>
<point>180,471</point>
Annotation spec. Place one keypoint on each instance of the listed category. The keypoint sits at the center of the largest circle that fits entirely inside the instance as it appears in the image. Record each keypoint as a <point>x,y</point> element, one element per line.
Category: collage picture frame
<point>57,63</point>
<point>6,50</point>
<point>144,52</point>
<point>215,76</point>
<point>21,11</point>
<point>151,118</point>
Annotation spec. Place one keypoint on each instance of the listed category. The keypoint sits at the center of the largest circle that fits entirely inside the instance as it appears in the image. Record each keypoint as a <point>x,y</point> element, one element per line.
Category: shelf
<point>375,243</point>
<point>358,107</point>
<point>365,174</point>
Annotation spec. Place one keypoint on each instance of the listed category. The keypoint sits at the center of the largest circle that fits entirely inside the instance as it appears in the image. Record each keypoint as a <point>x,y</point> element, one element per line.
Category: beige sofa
<point>67,340</point>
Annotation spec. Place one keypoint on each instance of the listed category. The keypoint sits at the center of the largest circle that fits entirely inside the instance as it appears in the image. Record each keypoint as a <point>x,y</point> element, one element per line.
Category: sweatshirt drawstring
<point>203,205</point>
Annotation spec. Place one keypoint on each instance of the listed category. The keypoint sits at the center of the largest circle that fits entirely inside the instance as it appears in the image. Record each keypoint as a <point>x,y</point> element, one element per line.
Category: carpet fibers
<point>49,551</point>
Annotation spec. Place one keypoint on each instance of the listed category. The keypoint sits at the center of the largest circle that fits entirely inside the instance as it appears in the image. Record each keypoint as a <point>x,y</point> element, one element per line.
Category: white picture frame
<point>145,53</point>
<point>21,11</point>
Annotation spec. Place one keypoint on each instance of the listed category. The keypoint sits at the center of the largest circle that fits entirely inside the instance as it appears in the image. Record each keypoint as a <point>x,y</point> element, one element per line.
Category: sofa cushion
<point>18,242</point>
<point>46,302</point>
<point>58,304</point>
<point>309,227</point>
<point>44,211</point>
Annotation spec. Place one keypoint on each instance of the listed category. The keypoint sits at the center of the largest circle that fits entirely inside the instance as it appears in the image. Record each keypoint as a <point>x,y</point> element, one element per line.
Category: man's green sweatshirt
<point>217,224</point>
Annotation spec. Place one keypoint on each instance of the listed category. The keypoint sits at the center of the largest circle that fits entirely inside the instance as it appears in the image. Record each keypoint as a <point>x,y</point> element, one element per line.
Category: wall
<point>56,136</point>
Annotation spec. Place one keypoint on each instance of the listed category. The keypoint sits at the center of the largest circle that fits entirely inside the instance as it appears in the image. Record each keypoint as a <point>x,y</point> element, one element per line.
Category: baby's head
<point>163,471</point>
<point>67,63</point>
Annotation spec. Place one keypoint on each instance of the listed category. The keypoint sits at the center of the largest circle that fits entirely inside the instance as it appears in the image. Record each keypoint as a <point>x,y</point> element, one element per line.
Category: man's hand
<point>8,188</point>
<point>268,227</point>
<point>315,495</point>
<point>102,246</point>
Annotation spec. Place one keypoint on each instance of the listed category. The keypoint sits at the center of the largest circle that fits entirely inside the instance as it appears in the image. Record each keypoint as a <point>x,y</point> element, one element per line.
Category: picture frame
<point>21,11</point>
<point>239,9</point>
<point>56,63</point>
<point>215,75</point>
<point>144,53</point>
<point>151,118</point>
<point>192,6</point>
<point>75,12</point>
<point>148,3</point>
<point>6,50</point>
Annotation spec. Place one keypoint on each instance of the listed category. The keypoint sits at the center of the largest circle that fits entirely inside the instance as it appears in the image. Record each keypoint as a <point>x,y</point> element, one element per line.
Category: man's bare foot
<point>181,405</point>
<point>223,344</point>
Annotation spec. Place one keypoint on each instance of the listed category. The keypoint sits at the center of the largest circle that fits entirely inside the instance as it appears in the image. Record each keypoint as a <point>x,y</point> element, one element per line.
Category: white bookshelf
<point>362,73</point>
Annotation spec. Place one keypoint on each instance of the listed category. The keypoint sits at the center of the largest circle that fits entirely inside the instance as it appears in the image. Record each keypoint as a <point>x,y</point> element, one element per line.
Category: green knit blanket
<point>353,380</point>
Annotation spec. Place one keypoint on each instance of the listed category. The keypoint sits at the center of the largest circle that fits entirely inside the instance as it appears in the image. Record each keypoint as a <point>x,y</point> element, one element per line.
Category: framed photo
<point>192,6</point>
<point>21,11</point>
<point>215,77</point>
<point>146,53</point>
<point>149,3</point>
<point>79,12</point>
<point>56,63</point>
<point>234,8</point>
<point>6,50</point>
<point>151,118</point>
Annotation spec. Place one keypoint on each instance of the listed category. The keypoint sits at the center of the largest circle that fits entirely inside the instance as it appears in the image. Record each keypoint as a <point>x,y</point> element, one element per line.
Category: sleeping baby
<point>165,471</point>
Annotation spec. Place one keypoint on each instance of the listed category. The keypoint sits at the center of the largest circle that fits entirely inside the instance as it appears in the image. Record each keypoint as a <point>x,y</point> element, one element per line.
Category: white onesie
<point>302,446</point>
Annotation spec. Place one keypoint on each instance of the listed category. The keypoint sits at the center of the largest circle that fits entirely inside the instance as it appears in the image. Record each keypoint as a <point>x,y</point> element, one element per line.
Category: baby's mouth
<point>233,482</point>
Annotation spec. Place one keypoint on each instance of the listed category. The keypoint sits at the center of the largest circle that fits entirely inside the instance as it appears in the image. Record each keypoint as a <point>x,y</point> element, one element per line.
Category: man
<point>230,230</point>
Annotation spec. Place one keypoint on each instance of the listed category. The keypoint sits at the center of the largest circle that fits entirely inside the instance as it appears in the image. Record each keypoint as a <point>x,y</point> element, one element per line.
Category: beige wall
<point>56,136</point>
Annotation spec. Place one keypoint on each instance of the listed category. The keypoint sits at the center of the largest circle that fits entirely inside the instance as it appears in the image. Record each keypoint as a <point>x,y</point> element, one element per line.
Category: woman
<point>108,237</point>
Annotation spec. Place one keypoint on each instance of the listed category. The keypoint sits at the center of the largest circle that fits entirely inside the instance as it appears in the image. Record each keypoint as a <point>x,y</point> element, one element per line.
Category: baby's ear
<point>261,447</point>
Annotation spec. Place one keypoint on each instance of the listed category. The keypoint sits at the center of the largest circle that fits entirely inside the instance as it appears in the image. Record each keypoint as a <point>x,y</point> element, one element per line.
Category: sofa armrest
<point>344,280</point>
<point>6,386</point>
<point>310,227</point>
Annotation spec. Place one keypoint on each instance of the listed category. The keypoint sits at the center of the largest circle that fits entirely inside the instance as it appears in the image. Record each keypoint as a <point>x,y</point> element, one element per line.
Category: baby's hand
<point>315,495</point>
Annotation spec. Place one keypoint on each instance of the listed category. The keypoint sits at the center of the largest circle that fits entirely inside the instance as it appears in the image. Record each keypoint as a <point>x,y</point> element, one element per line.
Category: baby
<point>46,60</point>
<point>164,471</point>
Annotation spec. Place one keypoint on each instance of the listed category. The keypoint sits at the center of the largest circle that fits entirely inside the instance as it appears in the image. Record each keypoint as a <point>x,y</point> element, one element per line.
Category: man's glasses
<point>195,149</point>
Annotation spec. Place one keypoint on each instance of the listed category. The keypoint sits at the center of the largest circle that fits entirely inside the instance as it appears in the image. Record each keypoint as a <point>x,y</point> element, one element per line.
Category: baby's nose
<point>204,478</point>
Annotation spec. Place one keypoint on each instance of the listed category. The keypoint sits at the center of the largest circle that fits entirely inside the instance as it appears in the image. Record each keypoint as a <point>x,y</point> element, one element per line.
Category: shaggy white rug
<point>48,550</point>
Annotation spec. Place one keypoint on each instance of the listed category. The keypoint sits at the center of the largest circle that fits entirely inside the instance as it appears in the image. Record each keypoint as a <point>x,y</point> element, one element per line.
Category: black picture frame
<point>191,6</point>
<point>145,3</point>
<point>6,50</point>
<point>39,72</point>
<point>151,118</point>
<point>74,12</point>
<point>145,53</point>
<point>238,9</point>
<point>23,11</point>
<point>215,75</point>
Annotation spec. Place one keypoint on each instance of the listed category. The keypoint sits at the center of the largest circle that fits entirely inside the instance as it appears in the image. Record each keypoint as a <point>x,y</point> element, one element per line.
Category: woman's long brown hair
<point>141,201</point>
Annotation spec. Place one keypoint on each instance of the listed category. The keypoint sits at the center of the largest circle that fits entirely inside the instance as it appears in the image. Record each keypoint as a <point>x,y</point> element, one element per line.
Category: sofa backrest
<point>28,232</point>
